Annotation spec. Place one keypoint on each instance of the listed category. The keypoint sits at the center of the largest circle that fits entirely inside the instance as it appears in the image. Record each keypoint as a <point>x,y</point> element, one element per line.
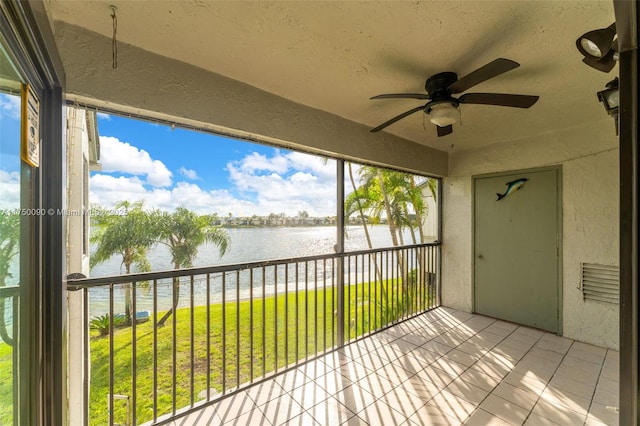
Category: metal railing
<point>237,324</point>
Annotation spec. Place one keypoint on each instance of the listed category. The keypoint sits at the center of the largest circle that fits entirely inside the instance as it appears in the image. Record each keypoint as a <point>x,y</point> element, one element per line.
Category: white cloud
<point>10,106</point>
<point>255,162</point>
<point>297,182</point>
<point>9,190</point>
<point>104,116</point>
<point>118,156</point>
<point>188,173</point>
<point>260,184</point>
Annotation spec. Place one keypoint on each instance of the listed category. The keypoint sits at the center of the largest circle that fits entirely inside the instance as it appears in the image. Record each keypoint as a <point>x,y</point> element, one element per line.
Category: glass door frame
<point>41,373</point>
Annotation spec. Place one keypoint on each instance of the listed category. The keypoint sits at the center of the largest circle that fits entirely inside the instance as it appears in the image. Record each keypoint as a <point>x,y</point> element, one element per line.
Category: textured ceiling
<point>334,56</point>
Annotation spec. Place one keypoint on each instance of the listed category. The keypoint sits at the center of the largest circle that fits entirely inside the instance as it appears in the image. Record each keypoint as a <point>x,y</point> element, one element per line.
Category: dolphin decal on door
<point>512,187</point>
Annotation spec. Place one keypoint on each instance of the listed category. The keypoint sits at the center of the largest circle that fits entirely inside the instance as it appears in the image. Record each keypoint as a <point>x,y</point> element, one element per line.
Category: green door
<point>516,249</point>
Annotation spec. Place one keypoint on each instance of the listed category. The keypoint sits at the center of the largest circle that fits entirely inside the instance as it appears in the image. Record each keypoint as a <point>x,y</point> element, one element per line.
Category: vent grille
<point>601,283</point>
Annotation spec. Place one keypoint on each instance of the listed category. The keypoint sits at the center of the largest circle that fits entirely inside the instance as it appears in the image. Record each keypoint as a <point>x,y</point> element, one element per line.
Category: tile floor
<point>444,367</point>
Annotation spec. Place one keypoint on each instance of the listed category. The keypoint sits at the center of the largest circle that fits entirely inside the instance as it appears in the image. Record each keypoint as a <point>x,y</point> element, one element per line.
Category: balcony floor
<point>444,367</point>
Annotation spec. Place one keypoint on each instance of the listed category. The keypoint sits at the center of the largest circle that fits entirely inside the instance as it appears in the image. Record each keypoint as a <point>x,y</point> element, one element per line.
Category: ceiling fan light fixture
<point>444,114</point>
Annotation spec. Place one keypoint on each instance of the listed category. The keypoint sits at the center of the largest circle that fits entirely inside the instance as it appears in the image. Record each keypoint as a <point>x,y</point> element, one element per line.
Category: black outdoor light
<point>610,98</point>
<point>599,48</point>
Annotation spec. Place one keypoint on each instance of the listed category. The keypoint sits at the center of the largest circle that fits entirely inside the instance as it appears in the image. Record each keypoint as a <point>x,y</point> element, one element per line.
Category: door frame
<point>474,178</point>
<point>42,391</point>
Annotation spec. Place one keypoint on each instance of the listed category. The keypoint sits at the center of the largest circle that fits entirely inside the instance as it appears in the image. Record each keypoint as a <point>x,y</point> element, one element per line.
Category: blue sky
<point>167,168</point>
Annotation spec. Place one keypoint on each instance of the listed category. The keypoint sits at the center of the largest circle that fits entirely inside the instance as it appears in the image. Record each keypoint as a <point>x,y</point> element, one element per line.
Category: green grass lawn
<point>6,384</point>
<point>259,338</point>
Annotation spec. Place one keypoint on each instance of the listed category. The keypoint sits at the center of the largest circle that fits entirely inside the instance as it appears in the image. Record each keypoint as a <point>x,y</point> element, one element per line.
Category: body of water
<point>247,245</point>
<point>257,244</point>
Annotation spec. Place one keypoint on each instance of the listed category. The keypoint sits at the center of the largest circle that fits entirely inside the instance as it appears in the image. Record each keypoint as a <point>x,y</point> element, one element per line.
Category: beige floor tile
<point>309,395</point>
<point>410,364</point>
<point>421,387</point>
<point>291,380</point>
<point>449,366</point>
<point>375,384</point>
<point>394,373</point>
<point>479,379</point>
<point>403,401</point>
<point>483,418</point>
<point>461,357</point>
<point>425,356</point>
<point>354,371</point>
<point>522,337</point>
<point>372,362</point>
<point>235,405</point>
<point>603,397</point>
<point>278,411</point>
<point>588,377</point>
<point>330,412</point>
<point>354,398</point>
<point>520,397</point>
<point>536,420</point>
<point>527,381</point>
<point>488,366</point>
<point>505,325</point>
<point>469,392</point>
<point>381,413</point>
<point>507,411</point>
<point>304,419</point>
<point>473,348</point>
<point>253,417</point>
<point>489,336</point>
<point>265,392</point>
<point>546,354</point>
<point>436,347</point>
<point>566,399</point>
<point>591,357</point>
<point>509,352</point>
<point>428,415</point>
<point>554,343</point>
<point>436,376</point>
<point>205,417</point>
<point>557,414</point>
<point>608,385</point>
<point>605,414</point>
<point>416,339</point>
<point>451,379</point>
<point>570,385</point>
<point>452,405</point>
<point>333,382</point>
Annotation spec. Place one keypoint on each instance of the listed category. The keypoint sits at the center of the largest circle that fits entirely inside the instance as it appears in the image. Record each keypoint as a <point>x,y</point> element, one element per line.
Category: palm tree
<point>9,249</point>
<point>129,235</point>
<point>184,231</point>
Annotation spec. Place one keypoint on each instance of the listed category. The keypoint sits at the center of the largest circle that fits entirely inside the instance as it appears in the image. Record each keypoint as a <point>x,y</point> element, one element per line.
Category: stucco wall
<point>155,86</point>
<point>590,202</point>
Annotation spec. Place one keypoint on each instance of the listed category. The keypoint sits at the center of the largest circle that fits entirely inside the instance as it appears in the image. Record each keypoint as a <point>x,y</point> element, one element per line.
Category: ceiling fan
<point>442,108</point>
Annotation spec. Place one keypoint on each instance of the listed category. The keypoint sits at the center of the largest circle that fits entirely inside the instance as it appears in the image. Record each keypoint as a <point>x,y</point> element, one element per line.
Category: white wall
<point>77,142</point>
<point>590,202</point>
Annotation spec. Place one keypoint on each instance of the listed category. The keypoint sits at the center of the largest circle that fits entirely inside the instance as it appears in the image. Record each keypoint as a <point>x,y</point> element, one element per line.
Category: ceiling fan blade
<point>484,73</point>
<point>402,95</point>
<point>396,118</point>
<point>444,131</point>
<point>499,99</point>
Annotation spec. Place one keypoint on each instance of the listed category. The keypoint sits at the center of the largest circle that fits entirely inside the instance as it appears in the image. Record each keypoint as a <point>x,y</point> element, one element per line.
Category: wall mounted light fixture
<point>610,98</point>
<point>599,48</point>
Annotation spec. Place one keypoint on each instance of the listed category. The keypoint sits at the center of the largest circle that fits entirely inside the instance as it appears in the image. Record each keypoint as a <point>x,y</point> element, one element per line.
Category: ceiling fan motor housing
<point>437,86</point>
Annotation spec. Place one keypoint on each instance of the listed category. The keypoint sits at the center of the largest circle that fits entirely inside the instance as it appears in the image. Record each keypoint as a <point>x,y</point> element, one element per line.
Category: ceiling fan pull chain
<point>114,44</point>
